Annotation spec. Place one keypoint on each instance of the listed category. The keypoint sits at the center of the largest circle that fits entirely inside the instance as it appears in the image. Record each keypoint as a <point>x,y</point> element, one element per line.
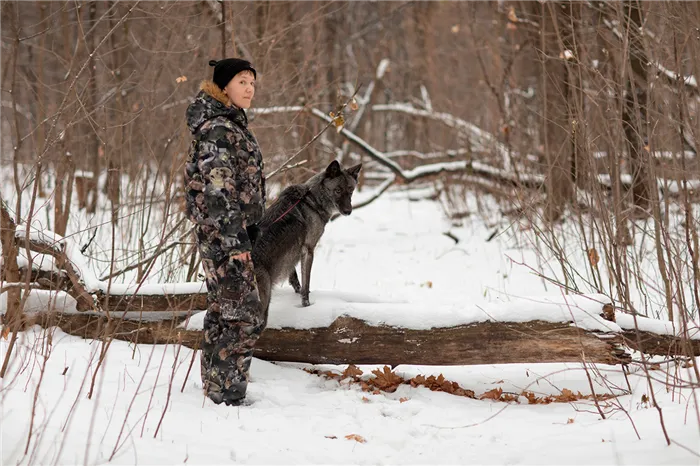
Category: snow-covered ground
<point>392,251</point>
<point>294,416</point>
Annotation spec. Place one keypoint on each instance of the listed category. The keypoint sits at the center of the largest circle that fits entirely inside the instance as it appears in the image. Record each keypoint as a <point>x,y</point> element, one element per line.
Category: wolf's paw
<point>305,302</point>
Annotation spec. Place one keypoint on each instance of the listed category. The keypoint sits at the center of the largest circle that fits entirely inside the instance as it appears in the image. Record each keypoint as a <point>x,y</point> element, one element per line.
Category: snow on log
<point>174,297</point>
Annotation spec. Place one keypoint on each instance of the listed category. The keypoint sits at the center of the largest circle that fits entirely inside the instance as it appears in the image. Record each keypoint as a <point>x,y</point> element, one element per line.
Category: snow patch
<point>327,306</point>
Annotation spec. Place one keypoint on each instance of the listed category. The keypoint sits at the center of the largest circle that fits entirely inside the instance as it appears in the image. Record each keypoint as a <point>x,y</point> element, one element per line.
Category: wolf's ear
<point>333,169</point>
<point>354,171</point>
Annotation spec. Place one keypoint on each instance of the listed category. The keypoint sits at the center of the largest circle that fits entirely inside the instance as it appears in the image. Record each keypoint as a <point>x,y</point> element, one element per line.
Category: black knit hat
<point>225,70</point>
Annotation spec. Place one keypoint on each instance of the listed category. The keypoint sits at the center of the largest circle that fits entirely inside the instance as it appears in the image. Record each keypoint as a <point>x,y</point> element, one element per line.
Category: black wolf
<point>292,226</point>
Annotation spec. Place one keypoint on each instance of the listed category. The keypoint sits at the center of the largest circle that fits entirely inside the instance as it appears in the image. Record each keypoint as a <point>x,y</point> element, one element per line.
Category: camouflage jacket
<point>224,183</point>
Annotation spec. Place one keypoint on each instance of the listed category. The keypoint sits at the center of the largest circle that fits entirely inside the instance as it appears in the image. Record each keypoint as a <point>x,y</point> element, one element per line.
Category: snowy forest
<point>518,281</point>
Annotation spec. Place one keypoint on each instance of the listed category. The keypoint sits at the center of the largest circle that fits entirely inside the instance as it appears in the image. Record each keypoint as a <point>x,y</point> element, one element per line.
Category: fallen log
<point>660,345</point>
<point>76,289</point>
<point>351,340</point>
<point>119,303</point>
<point>154,319</point>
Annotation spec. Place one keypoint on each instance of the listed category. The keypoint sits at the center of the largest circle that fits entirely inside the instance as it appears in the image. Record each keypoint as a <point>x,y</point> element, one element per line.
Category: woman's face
<point>241,89</point>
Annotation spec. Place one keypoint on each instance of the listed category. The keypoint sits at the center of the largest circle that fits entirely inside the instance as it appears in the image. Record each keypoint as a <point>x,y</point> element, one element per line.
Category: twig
<point>194,353</point>
<point>153,390</point>
<point>686,449</point>
<point>451,236</point>
<point>590,384</point>
<point>87,245</point>
<point>290,167</point>
<point>42,371</point>
<point>170,385</point>
<point>340,110</point>
<point>143,262</point>
<point>131,404</point>
<point>11,286</point>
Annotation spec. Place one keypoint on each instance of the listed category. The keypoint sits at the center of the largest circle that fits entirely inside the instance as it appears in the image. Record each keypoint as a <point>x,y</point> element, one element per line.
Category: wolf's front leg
<point>307,258</point>
<point>294,281</point>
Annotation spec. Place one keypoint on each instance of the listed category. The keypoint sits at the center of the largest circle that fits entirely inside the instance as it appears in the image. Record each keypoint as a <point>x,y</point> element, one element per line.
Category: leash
<point>287,211</point>
<point>292,207</point>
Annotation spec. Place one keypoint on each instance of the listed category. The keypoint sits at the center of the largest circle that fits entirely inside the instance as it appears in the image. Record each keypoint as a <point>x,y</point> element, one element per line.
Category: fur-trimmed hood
<point>212,102</point>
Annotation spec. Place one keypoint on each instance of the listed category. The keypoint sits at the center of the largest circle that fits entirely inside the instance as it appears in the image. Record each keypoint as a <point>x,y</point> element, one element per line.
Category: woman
<point>225,195</point>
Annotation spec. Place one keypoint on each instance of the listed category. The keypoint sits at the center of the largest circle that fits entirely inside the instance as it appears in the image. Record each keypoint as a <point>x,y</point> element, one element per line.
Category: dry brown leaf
<point>403,400</point>
<point>365,399</point>
<point>570,421</point>
<point>608,312</point>
<point>353,105</point>
<point>181,79</point>
<point>331,436</point>
<point>5,332</point>
<point>532,398</point>
<point>386,379</point>
<point>441,384</point>
<point>338,121</point>
<point>352,371</point>
<point>417,380</point>
<point>593,257</point>
<point>357,438</point>
<point>511,15</point>
<point>466,393</point>
<point>494,394</point>
<point>565,395</point>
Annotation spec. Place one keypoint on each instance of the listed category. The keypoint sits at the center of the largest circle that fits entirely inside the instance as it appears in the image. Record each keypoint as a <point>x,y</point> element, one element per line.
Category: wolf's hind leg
<point>264,283</point>
<point>294,281</point>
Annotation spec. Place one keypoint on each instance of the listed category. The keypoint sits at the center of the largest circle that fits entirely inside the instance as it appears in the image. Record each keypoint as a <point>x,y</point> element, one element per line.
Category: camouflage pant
<point>233,322</point>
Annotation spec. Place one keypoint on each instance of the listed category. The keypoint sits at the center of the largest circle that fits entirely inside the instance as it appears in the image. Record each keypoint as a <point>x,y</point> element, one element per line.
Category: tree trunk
<point>63,163</point>
<point>93,139</point>
<point>9,273</point>
<point>635,108</point>
<point>555,115</point>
